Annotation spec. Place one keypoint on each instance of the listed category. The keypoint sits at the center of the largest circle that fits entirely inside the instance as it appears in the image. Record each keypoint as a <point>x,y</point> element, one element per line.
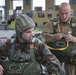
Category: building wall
<point>27,8</point>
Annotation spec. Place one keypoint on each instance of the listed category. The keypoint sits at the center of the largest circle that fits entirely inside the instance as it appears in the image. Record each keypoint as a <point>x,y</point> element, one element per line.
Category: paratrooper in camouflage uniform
<point>27,48</point>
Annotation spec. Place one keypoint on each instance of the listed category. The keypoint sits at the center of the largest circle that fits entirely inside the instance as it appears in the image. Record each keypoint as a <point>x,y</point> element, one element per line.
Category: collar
<point>64,23</point>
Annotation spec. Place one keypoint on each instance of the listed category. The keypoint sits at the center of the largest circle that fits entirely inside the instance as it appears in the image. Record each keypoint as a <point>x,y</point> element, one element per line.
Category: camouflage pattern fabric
<point>51,28</point>
<point>21,68</point>
<point>42,55</point>
<point>4,51</point>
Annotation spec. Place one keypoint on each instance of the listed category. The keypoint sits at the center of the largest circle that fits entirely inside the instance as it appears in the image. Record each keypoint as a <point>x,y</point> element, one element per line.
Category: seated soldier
<point>29,49</point>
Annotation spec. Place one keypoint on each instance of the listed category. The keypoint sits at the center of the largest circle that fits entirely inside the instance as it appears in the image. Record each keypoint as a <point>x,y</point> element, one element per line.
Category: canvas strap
<point>32,52</point>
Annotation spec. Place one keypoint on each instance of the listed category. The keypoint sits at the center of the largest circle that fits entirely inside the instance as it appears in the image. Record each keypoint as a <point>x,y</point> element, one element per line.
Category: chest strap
<point>64,48</point>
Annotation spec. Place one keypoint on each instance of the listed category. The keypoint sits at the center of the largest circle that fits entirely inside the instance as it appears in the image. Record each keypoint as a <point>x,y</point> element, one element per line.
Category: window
<point>2,4</point>
<point>17,3</point>
<point>38,3</point>
<point>73,1</point>
<point>58,2</point>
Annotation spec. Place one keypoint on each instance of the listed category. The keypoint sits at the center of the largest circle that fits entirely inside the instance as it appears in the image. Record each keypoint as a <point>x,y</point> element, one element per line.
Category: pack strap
<point>51,48</point>
<point>61,49</point>
<point>59,27</point>
<point>32,52</point>
<point>12,51</point>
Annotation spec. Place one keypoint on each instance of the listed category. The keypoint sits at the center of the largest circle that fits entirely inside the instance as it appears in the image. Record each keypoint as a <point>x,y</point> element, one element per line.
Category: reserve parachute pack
<point>22,67</point>
<point>61,48</point>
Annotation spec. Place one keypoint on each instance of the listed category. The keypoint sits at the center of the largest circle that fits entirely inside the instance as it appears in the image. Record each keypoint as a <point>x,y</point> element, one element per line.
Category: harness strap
<point>57,48</point>
<point>49,47</point>
<point>59,27</point>
<point>12,51</point>
<point>32,52</point>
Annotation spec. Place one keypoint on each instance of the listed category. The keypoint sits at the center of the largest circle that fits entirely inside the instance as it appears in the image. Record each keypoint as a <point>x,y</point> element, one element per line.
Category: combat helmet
<point>23,23</point>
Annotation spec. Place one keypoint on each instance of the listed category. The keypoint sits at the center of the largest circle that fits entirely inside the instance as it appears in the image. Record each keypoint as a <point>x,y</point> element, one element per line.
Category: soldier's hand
<point>58,36</point>
<point>1,70</point>
<point>69,38</point>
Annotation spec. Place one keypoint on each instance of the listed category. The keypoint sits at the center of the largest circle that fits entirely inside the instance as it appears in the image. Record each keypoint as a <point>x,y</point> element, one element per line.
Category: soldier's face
<point>64,13</point>
<point>28,35</point>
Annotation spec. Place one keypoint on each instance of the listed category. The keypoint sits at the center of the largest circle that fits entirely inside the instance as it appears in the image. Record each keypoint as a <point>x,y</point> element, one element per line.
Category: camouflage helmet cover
<point>23,23</point>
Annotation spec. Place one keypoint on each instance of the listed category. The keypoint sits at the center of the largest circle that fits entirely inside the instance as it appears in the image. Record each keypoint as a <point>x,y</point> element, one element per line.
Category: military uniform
<point>56,26</point>
<point>24,54</point>
<point>4,51</point>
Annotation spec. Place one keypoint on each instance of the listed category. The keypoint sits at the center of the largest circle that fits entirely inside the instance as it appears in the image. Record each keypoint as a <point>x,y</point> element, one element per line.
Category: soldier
<point>60,36</point>
<point>27,48</point>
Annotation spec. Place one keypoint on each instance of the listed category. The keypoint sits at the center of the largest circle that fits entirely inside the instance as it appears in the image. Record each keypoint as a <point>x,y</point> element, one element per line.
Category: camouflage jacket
<point>4,50</point>
<point>41,53</point>
<point>52,27</point>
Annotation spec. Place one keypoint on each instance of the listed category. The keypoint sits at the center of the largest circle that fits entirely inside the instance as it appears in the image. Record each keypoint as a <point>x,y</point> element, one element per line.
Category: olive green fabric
<point>68,54</point>
<point>21,68</point>
<point>58,44</point>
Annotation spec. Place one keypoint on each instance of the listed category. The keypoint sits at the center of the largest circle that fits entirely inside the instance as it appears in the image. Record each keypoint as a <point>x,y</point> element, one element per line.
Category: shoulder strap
<point>32,55</point>
<point>12,51</point>
<point>55,25</point>
<point>32,49</point>
<point>73,22</point>
<point>12,47</point>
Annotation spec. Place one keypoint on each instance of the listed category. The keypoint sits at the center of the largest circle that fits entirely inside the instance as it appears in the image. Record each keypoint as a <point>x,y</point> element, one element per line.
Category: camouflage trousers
<point>70,69</point>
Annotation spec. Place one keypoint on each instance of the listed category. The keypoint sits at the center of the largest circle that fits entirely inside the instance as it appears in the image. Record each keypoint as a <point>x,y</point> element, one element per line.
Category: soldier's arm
<point>4,52</point>
<point>47,32</point>
<point>53,64</point>
<point>49,60</point>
